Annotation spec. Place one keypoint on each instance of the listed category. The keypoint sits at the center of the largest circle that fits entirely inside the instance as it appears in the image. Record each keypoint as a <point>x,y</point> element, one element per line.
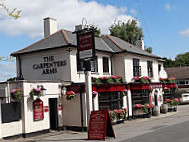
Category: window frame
<point>111,101</point>
<point>150,68</point>
<point>136,67</point>
<point>80,64</point>
<point>105,64</point>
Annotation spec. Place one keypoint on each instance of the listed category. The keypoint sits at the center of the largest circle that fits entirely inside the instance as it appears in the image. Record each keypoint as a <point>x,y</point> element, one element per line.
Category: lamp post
<point>63,90</point>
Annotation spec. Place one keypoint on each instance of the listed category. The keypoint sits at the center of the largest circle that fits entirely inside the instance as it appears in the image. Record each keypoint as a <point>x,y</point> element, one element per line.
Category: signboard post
<point>100,125</point>
<point>86,52</point>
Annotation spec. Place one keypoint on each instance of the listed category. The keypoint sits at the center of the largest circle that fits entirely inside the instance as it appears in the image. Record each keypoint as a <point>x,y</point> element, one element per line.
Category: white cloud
<point>168,6</point>
<point>133,12</point>
<point>184,32</point>
<point>7,71</point>
<point>67,12</point>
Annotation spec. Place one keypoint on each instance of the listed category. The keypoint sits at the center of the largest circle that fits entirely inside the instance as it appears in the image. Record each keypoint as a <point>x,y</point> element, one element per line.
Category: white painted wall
<point>72,111</point>
<point>53,91</point>
<point>11,129</point>
<point>78,77</point>
<point>123,65</point>
<point>119,65</point>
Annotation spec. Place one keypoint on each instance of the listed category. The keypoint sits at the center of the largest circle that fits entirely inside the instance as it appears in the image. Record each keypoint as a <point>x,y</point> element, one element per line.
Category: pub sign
<point>38,112</point>
<point>85,45</point>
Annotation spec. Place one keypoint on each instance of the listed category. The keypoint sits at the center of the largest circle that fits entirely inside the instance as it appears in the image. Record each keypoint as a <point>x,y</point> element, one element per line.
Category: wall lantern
<point>43,90</point>
<point>155,92</point>
<point>63,90</point>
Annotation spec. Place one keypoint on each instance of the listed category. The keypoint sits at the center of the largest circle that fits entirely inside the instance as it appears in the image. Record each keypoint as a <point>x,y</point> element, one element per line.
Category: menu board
<point>100,125</point>
<point>38,110</point>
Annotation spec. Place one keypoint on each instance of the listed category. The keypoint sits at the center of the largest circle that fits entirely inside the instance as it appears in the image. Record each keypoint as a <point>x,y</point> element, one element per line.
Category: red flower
<point>176,99</point>
<point>113,77</point>
<point>168,100</point>
<point>119,76</point>
<point>136,78</point>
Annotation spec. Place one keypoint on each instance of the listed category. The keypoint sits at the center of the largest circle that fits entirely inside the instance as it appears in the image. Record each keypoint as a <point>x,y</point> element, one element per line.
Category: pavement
<point>126,131</point>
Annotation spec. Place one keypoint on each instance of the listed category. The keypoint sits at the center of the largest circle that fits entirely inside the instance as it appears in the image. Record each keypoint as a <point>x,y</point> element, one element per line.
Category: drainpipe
<point>81,108</point>
<point>111,64</point>
<point>20,69</point>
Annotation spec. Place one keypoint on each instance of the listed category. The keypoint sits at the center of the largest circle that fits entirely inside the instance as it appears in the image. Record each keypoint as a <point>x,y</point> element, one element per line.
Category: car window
<point>185,95</point>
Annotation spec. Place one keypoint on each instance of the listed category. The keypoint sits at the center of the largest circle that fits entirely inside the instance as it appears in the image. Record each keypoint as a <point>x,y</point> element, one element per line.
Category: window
<point>183,82</point>
<point>94,64</point>
<point>105,64</point>
<point>110,100</point>
<point>136,67</point>
<point>150,68</point>
<point>159,67</point>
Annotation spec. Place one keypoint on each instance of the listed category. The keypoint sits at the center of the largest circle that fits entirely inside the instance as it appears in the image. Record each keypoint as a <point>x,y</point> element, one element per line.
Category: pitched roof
<point>122,45</point>
<point>64,38</point>
<point>178,72</point>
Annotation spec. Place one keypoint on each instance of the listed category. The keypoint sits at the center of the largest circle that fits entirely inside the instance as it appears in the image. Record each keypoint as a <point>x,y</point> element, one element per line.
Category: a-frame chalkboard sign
<point>100,125</point>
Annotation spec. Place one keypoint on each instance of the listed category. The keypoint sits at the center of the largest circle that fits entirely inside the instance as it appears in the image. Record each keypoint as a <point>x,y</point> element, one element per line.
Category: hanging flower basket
<point>108,80</point>
<point>94,94</point>
<point>142,79</point>
<point>124,92</point>
<point>35,92</point>
<point>16,94</point>
<point>70,95</point>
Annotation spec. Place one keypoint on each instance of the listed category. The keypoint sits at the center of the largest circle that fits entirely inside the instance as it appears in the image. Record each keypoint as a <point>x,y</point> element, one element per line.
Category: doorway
<point>53,113</point>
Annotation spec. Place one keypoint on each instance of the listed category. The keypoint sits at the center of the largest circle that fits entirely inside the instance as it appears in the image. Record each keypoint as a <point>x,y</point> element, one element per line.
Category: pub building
<point>50,66</point>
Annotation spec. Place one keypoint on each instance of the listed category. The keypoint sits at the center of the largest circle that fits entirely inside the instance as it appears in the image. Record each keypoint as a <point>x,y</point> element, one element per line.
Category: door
<point>53,113</point>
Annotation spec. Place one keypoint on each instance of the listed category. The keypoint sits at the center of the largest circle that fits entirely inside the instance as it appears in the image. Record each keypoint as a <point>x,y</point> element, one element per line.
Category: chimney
<point>50,26</point>
<point>140,43</point>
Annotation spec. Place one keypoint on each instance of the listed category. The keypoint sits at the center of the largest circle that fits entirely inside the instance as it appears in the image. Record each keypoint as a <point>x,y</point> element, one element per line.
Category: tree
<point>168,62</point>
<point>182,59</point>
<point>13,13</point>
<point>129,31</point>
<point>148,49</point>
<point>179,61</point>
<point>97,32</point>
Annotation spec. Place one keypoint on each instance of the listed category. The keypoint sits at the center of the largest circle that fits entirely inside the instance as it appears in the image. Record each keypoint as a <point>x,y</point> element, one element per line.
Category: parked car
<point>184,98</point>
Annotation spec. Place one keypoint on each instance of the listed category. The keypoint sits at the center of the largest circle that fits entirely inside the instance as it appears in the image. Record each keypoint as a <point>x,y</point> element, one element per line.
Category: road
<point>173,126</point>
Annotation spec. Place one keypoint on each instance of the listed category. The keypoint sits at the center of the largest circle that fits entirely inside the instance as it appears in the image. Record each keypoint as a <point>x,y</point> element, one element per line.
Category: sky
<point>165,23</point>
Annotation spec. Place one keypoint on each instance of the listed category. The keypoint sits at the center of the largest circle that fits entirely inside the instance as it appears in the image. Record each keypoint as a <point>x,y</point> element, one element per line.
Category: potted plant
<point>176,102</point>
<point>16,94</point>
<point>112,116</point>
<point>35,92</point>
<point>124,112</point>
<point>70,95</point>
<point>164,107</point>
<point>147,110</point>
<point>119,114</point>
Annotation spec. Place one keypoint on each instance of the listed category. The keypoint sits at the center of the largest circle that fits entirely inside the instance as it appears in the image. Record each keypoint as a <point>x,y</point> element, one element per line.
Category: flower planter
<point>156,111</point>
<point>175,109</point>
<point>170,109</point>
<point>164,108</point>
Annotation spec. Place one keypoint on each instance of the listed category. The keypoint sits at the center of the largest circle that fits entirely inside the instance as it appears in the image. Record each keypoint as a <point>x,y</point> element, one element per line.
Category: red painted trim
<point>170,85</point>
<point>98,88</point>
<point>109,87</point>
<point>140,86</point>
